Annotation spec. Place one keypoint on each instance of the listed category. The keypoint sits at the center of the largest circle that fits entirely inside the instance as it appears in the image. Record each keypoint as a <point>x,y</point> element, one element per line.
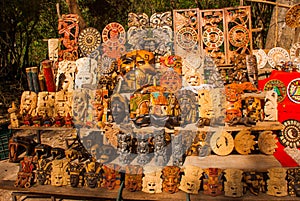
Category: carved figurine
<point>111,176</point>
<point>160,150</point>
<point>293,178</point>
<point>253,108</point>
<point>177,149</point>
<point>92,175</point>
<point>277,185</point>
<point>244,142</point>
<point>86,76</point>
<point>59,174</point>
<point>267,142</point>
<point>152,182</point>
<point>254,182</point>
<point>28,105</point>
<point>13,114</point>
<point>25,174</point>
<point>133,178</point>
<point>124,143</point>
<point>143,151</point>
<point>190,181</point>
<point>76,174</point>
<point>171,179</point>
<point>233,186</point>
<point>43,164</point>
<point>212,182</point>
<point>188,107</point>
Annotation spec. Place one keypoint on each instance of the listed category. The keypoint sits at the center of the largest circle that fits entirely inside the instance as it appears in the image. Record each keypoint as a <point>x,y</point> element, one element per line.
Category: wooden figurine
<point>160,149</point>
<point>76,174</point>
<point>171,179</point>
<point>68,28</point>
<point>277,185</point>
<point>143,151</point>
<point>233,186</point>
<point>190,181</point>
<point>177,149</point>
<point>28,103</point>
<point>213,182</point>
<point>254,108</point>
<point>267,142</point>
<point>92,175</point>
<point>13,114</point>
<point>244,142</point>
<point>25,174</point>
<point>293,178</point>
<point>254,182</point>
<point>111,176</point>
<point>43,163</point>
<point>152,182</point>
<point>53,48</point>
<point>45,104</point>
<point>188,107</point>
<point>124,143</point>
<point>133,178</point>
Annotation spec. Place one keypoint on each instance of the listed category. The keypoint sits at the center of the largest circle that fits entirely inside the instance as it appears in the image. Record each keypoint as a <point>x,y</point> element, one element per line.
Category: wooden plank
<point>41,128</point>
<point>257,162</point>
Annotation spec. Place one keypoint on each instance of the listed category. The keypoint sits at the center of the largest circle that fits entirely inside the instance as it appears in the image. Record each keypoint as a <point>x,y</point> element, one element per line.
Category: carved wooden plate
<point>293,90</point>
<point>239,36</point>
<point>292,17</point>
<point>89,39</point>
<point>187,37</point>
<point>222,143</point>
<point>277,54</point>
<point>213,37</point>
<point>295,51</point>
<point>261,58</point>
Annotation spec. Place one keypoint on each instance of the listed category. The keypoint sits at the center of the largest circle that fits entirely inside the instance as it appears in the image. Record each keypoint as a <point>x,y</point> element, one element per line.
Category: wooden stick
<point>272,3</point>
<point>58,11</point>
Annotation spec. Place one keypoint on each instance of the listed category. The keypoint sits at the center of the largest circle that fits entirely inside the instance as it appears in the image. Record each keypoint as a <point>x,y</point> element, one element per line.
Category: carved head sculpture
<point>111,176</point>
<point>53,48</point>
<point>119,108</point>
<point>92,174</point>
<point>253,108</point>
<point>86,75</point>
<point>59,174</point>
<point>80,105</point>
<point>188,106</point>
<point>190,181</point>
<point>152,182</point>
<point>28,102</point>
<point>171,179</point>
<point>133,178</point>
<point>254,182</point>
<point>212,182</point>
<point>277,186</point>
<point>233,110</point>
<point>244,142</point>
<point>193,78</point>
<point>233,185</point>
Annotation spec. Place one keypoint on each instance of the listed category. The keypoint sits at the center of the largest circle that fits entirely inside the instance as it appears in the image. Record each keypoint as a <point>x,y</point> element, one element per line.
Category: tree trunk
<point>74,9</point>
<point>282,35</point>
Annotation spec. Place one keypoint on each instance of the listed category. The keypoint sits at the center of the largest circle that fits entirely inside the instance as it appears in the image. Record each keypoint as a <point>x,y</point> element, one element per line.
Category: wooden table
<point>85,193</point>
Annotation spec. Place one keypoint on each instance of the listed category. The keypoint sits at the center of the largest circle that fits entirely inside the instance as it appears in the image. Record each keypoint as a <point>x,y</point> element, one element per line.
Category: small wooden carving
<point>233,186</point>
<point>267,142</point>
<point>152,182</point>
<point>111,176</point>
<point>59,174</point>
<point>25,174</point>
<point>160,149</point>
<point>212,182</point>
<point>133,178</point>
<point>28,103</point>
<point>254,182</point>
<point>171,179</point>
<point>45,104</point>
<point>244,142</point>
<point>190,181</point>
<point>92,175</point>
<point>277,185</point>
<point>13,114</point>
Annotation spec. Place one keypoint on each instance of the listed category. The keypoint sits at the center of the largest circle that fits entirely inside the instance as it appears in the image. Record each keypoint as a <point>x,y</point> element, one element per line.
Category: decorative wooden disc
<point>244,142</point>
<point>261,58</point>
<point>222,143</point>
<point>292,17</point>
<point>239,36</point>
<point>295,51</point>
<point>106,65</point>
<point>293,90</point>
<point>213,37</point>
<point>186,37</point>
<point>277,54</point>
<point>113,34</point>
<point>89,39</point>
<point>291,134</point>
<point>278,86</point>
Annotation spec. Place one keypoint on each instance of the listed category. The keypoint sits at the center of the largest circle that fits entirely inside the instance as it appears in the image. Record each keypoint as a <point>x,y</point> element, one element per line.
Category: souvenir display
<point>233,186</point>
<point>212,181</point>
<point>152,181</point>
<point>190,181</point>
<point>68,28</point>
<point>276,185</point>
<point>171,179</point>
